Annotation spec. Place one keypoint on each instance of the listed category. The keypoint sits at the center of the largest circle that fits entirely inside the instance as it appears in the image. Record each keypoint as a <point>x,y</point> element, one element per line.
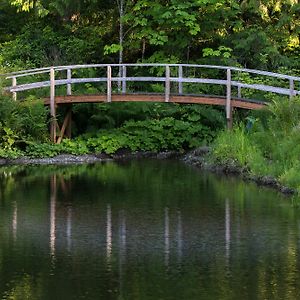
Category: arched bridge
<point>174,83</point>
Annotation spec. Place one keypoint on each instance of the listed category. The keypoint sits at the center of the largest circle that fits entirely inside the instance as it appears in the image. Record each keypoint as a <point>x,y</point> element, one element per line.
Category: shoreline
<point>198,158</point>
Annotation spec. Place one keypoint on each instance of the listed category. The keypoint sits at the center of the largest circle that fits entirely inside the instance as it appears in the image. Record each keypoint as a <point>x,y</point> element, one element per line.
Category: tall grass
<point>271,147</point>
<point>237,147</point>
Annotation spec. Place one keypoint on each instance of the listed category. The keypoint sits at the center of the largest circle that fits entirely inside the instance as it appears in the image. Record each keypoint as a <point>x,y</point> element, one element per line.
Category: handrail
<point>72,67</point>
<point>167,79</point>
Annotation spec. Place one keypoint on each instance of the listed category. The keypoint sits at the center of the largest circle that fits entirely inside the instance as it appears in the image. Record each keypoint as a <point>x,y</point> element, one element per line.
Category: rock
<point>168,155</point>
<point>202,151</point>
<point>3,161</point>
<point>269,181</point>
<point>287,191</point>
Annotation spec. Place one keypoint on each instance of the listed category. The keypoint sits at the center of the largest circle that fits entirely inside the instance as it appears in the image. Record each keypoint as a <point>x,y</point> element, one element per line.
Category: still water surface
<point>144,230</point>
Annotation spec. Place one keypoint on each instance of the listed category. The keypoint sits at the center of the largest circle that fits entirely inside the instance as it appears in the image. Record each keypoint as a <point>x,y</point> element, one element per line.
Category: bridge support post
<point>53,122</point>
<point>228,100</point>
<point>69,126</point>
<point>65,130</point>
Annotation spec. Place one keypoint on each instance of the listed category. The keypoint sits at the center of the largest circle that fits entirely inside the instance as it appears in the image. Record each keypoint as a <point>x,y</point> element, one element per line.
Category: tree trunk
<point>121,38</point>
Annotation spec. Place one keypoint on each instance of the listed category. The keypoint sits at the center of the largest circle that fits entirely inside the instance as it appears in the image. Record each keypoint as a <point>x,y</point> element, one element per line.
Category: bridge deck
<point>190,99</point>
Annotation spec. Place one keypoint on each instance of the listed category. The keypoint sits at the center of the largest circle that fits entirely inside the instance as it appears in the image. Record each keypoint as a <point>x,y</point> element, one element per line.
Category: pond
<point>144,229</point>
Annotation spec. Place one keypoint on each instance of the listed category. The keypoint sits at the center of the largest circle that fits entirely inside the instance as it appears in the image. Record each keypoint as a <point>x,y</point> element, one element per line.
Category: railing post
<point>292,89</point>
<point>228,100</point>
<point>108,84</point>
<point>119,81</point>
<point>180,85</point>
<point>69,78</point>
<point>14,85</point>
<point>52,105</point>
<point>123,79</point>
<point>68,117</point>
<point>167,84</point>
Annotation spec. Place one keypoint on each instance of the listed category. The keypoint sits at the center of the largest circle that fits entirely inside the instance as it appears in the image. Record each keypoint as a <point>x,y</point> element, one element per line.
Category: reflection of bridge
<point>115,229</point>
<point>176,79</point>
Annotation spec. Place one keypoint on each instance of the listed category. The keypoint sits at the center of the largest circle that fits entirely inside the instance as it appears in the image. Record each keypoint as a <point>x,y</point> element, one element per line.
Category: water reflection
<point>108,236</point>
<point>150,219</point>
<point>122,231</point>
<point>15,220</point>
<point>167,237</point>
<point>227,230</point>
<point>69,228</point>
<point>122,250</point>
<point>179,236</point>
<point>53,196</point>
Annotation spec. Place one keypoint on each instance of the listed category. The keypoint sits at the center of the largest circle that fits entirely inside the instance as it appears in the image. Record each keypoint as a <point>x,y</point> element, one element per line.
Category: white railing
<point>167,79</point>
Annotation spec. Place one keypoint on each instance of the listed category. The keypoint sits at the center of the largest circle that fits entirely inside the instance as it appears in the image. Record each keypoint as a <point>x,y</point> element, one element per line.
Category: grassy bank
<point>268,145</point>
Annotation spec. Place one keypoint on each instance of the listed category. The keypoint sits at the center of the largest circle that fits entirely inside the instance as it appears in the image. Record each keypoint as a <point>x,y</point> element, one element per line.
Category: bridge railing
<point>175,79</point>
<point>167,79</point>
<point>231,78</point>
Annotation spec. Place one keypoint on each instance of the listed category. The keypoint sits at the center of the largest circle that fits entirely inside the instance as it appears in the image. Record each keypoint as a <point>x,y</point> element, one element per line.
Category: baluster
<point>167,84</point>
<point>124,80</point>
<point>69,78</point>
<point>108,84</point>
<point>180,84</point>
<point>119,80</point>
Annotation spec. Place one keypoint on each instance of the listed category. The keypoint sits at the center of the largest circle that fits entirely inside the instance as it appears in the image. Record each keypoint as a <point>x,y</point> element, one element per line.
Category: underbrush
<point>106,128</point>
<point>148,135</point>
<point>21,123</point>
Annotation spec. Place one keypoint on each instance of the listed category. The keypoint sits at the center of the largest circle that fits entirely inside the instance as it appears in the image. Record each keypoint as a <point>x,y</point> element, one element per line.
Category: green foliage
<point>221,51</point>
<point>259,34</point>
<point>113,48</point>
<point>95,116</point>
<point>255,48</point>
<point>42,150</point>
<point>21,122</point>
<point>40,45</point>
<point>147,135</point>
<point>271,147</point>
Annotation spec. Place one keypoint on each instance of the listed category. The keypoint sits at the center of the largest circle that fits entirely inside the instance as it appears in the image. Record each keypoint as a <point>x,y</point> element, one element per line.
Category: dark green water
<point>144,230</point>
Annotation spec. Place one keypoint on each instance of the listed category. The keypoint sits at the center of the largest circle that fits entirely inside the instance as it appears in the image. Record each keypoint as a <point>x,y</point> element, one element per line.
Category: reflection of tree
<point>23,288</point>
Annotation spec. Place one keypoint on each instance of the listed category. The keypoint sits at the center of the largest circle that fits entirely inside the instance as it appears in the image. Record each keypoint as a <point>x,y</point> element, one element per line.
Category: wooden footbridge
<point>176,83</point>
